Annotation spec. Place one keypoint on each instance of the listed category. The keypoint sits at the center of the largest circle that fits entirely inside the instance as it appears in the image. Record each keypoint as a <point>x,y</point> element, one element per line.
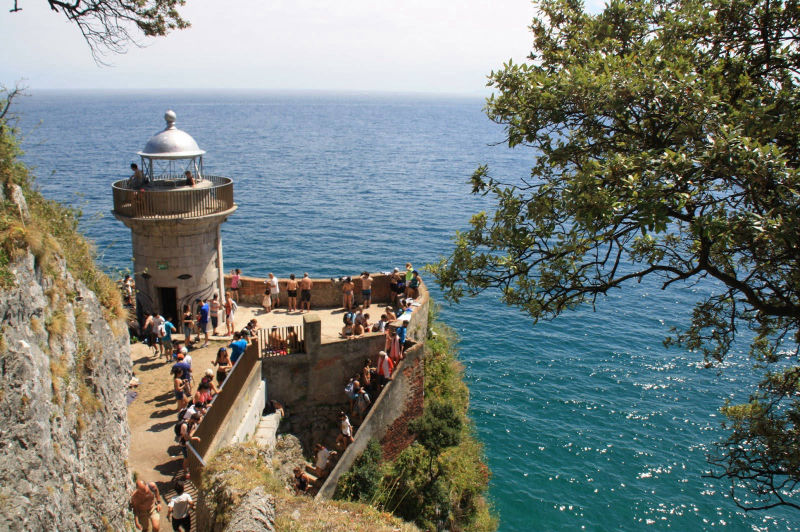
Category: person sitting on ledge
<point>276,343</point>
<point>137,180</point>
<point>249,331</point>
<point>390,315</point>
<point>365,322</point>
<point>301,482</point>
<point>358,329</point>
<point>380,325</point>
<point>189,178</point>
<point>347,330</point>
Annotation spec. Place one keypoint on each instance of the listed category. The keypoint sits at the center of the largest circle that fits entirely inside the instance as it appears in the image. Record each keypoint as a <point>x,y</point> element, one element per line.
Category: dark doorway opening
<point>169,303</point>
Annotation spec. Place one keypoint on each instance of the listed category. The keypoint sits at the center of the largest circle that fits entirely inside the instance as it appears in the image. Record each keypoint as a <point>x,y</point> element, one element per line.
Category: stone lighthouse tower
<point>174,212</point>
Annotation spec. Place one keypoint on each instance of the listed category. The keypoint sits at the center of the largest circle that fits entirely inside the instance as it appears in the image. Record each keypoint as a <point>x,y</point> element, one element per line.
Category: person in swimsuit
<point>146,504</point>
<point>347,293</point>
<point>236,281</point>
<point>230,309</point>
<point>347,330</point>
<point>366,289</point>
<point>305,292</point>
<point>189,178</point>
<point>224,365</point>
<point>214,307</point>
<point>413,285</point>
<point>291,293</point>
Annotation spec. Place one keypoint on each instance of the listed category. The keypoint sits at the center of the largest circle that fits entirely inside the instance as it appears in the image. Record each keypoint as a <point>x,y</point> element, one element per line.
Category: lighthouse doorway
<point>169,303</point>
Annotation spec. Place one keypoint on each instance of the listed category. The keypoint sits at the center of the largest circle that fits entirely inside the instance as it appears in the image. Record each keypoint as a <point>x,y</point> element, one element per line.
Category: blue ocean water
<point>588,422</point>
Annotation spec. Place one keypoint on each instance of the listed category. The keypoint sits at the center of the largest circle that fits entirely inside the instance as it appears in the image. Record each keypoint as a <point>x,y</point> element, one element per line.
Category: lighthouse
<point>174,211</point>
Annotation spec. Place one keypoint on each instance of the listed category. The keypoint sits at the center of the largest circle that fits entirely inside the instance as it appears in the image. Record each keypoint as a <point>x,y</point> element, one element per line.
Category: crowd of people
<point>193,398</point>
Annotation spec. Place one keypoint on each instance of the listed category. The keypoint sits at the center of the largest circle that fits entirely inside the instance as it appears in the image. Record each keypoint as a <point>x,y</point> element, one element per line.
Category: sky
<point>429,46</point>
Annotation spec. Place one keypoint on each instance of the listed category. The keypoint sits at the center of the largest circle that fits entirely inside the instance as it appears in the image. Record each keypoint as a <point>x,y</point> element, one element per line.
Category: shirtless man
<point>305,292</point>
<point>366,289</point>
<point>145,501</point>
<point>291,293</point>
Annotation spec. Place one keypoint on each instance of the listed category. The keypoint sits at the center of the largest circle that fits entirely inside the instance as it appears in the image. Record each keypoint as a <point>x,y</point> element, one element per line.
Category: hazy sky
<point>439,46</point>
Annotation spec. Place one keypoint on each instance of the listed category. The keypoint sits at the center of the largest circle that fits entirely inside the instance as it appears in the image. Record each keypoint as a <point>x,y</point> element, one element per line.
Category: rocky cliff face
<point>63,430</point>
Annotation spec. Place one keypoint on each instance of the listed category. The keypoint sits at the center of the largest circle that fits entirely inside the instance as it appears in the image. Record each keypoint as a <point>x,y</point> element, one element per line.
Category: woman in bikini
<point>224,365</point>
<point>347,293</point>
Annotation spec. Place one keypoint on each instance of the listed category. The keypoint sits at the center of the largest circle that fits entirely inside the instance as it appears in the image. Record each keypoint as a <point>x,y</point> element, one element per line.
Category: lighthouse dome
<point>172,143</point>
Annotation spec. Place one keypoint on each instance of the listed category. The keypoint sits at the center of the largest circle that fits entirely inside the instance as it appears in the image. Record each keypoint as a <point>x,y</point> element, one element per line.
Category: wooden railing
<point>279,341</point>
<point>166,199</point>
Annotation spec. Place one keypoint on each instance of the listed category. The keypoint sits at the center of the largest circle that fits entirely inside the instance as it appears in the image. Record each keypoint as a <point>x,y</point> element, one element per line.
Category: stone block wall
<point>324,294</point>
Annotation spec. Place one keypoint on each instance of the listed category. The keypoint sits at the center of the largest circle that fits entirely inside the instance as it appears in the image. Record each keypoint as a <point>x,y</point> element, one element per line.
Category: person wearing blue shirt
<point>401,333</point>
<point>202,320</point>
<point>238,346</point>
<point>166,341</point>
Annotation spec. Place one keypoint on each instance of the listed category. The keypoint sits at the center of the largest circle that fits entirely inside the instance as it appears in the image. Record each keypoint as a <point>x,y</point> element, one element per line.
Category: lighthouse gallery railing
<point>165,199</point>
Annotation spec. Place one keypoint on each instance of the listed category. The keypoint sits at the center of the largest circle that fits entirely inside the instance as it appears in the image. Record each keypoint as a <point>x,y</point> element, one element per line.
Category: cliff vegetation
<point>64,366</point>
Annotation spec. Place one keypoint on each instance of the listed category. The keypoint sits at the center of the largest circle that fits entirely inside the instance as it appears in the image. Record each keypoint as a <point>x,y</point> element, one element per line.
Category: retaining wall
<point>400,401</point>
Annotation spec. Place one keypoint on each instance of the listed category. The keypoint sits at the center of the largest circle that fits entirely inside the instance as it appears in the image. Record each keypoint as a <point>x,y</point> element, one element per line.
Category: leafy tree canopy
<point>667,143</point>
<point>110,25</point>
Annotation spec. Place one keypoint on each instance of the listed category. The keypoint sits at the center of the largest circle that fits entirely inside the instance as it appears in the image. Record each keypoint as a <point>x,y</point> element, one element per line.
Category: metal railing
<point>166,199</point>
<point>279,341</point>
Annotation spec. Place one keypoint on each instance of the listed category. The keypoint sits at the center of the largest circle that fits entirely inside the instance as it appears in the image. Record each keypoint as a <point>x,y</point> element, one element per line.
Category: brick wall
<point>397,436</point>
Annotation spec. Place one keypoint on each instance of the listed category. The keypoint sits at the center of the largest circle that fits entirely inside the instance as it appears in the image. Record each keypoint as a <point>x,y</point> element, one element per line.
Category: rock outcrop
<point>64,371</point>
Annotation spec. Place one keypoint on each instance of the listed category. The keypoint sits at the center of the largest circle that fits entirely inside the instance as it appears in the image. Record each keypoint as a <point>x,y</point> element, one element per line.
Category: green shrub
<point>361,483</point>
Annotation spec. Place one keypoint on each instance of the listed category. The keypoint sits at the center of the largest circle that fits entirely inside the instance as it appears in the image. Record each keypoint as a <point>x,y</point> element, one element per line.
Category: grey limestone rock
<point>63,430</point>
<point>19,200</point>
<point>255,513</point>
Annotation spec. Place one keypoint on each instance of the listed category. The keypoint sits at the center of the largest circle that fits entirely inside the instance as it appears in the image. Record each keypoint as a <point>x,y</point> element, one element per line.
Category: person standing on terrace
<point>305,292</point>
<point>189,178</point>
<point>347,293</point>
<point>214,307</point>
<point>202,320</point>
<point>230,313</point>
<point>236,281</point>
<point>274,292</point>
<point>366,289</point>
<point>291,293</point>
<point>409,276</point>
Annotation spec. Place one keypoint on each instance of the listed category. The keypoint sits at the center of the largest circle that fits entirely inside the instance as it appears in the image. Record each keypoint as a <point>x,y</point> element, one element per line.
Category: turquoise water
<point>588,421</point>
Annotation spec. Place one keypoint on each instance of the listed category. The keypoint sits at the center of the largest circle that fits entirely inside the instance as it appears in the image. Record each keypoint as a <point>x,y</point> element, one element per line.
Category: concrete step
<point>266,431</point>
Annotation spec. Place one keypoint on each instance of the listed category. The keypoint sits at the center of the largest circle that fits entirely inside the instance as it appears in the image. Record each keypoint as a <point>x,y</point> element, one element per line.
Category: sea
<point>588,422</point>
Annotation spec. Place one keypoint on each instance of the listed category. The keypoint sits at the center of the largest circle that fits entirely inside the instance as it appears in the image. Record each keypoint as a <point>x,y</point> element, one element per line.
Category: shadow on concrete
<point>158,427</point>
<point>162,413</point>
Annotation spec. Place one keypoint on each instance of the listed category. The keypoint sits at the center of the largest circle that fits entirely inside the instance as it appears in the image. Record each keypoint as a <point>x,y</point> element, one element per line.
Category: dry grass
<point>56,324</point>
<point>242,467</point>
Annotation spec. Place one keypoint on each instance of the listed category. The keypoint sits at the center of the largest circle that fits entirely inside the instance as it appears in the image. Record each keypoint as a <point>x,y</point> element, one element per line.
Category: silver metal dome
<point>172,143</point>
